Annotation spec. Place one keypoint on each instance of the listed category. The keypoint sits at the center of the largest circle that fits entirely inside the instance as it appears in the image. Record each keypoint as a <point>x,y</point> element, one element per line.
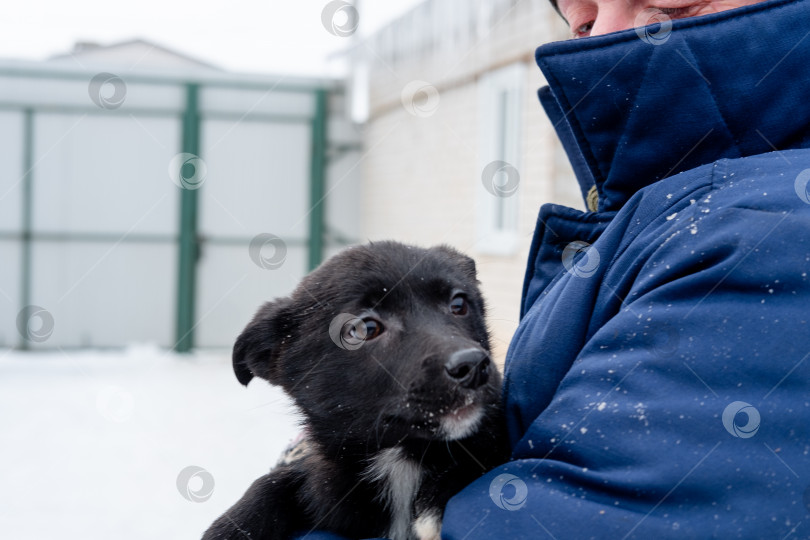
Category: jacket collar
<point>634,108</point>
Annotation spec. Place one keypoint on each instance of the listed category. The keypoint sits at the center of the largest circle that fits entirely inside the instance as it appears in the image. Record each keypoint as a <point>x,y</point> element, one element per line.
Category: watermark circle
<point>205,480</point>
<point>188,171</point>
<point>665,341</point>
<point>347,331</point>
<point>580,259</point>
<point>498,487</point>
<point>35,324</point>
<point>420,98</point>
<point>732,423</point>
<point>340,18</point>
<point>653,26</point>
<point>267,251</point>
<point>500,179</point>
<point>115,404</point>
<point>802,186</point>
<point>107,90</point>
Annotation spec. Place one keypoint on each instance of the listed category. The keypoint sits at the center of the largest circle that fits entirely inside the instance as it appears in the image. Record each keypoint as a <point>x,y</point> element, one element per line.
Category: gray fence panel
<point>104,219</point>
<point>231,287</point>
<point>257,182</point>
<point>10,254</point>
<point>103,295</point>
<point>11,170</point>
<point>104,173</point>
<point>258,179</point>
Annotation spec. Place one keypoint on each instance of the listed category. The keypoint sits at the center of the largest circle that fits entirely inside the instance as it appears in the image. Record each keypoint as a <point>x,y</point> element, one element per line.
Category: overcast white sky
<point>239,35</point>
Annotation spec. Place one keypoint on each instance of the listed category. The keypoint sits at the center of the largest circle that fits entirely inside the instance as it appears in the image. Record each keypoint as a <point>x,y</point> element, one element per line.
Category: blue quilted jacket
<point>658,385</point>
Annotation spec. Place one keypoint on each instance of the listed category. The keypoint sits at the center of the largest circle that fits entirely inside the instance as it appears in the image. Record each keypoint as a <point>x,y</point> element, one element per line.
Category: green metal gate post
<point>317,178</point>
<point>27,214</point>
<point>188,246</point>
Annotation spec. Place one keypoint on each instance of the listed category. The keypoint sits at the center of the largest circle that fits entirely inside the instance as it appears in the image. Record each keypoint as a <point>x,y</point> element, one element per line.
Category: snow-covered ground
<point>98,445</point>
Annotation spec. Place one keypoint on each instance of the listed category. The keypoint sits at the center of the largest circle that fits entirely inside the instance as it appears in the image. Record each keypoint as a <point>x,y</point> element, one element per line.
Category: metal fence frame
<point>187,238</point>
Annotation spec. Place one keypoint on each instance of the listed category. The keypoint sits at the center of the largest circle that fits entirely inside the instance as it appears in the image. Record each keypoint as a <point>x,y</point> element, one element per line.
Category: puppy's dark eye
<point>459,305</point>
<point>366,331</point>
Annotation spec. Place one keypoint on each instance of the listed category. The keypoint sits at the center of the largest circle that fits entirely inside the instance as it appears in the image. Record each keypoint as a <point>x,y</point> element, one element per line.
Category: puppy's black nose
<point>468,368</point>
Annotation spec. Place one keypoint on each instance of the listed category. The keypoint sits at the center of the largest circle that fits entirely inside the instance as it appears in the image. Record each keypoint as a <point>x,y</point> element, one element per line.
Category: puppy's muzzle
<point>468,368</point>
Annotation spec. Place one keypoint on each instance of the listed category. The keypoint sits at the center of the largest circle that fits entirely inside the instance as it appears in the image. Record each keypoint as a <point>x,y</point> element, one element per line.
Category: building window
<point>500,111</point>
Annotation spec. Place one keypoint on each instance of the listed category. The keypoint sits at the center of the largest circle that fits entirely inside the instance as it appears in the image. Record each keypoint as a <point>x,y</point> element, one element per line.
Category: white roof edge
<point>45,69</point>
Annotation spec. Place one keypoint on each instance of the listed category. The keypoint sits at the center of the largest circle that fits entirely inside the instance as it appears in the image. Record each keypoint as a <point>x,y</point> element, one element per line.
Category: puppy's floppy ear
<point>466,264</point>
<point>257,349</point>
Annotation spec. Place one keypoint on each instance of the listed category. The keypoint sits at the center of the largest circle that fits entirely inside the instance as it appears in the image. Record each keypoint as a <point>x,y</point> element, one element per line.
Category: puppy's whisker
<point>474,458</point>
<point>422,459</point>
<point>375,430</point>
<point>268,404</point>
<point>450,451</point>
<point>386,426</point>
<point>380,420</point>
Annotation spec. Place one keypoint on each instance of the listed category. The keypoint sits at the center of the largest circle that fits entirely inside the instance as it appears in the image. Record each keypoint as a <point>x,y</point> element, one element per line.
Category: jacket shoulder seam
<point>632,236</point>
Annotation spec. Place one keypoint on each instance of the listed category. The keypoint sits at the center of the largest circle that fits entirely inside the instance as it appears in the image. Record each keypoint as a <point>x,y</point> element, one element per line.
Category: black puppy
<point>385,350</point>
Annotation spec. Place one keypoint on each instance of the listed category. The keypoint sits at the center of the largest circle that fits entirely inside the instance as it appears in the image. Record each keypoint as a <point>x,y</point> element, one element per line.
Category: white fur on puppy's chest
<point>399,477</point>
<point>428,526</point>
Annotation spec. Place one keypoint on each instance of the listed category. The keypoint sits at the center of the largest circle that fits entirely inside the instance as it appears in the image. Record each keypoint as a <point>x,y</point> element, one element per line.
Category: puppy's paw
<point>428,525</point>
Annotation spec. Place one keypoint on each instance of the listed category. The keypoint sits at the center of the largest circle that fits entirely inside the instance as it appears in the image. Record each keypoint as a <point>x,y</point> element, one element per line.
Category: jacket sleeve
<point>685,412</point>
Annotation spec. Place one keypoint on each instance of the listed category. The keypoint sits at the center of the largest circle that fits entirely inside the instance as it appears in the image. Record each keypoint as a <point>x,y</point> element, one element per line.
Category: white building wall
<point>421,171</point>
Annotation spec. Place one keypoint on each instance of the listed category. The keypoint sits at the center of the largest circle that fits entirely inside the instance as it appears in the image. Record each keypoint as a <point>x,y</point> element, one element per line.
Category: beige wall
<point>420,174</point>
